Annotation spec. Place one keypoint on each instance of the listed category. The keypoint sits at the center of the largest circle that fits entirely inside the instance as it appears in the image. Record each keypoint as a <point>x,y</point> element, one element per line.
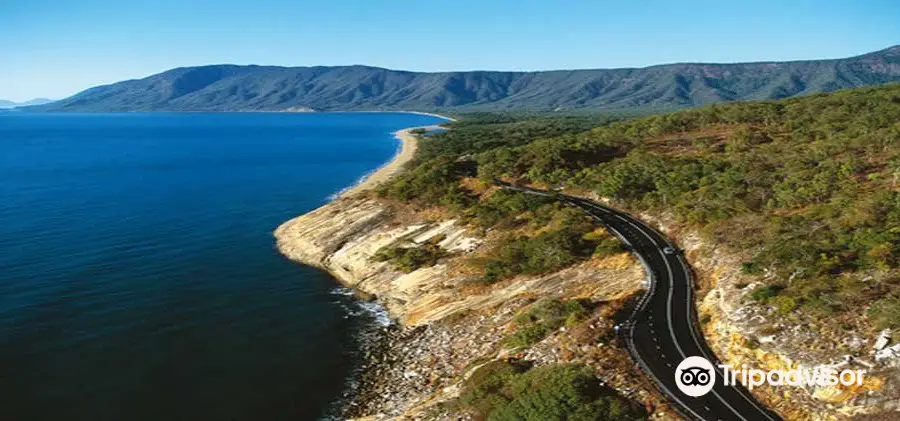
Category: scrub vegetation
<point>501,390</point>
<point>810,186</point>
<point>542,318</point>
<point>408,258</point>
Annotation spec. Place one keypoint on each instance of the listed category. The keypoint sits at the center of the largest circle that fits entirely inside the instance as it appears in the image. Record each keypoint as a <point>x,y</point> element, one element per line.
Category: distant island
<point>6,104</point>
<point>357,88</point>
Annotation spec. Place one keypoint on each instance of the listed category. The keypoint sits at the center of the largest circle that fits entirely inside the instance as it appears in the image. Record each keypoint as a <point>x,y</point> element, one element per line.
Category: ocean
<point>138,274</point>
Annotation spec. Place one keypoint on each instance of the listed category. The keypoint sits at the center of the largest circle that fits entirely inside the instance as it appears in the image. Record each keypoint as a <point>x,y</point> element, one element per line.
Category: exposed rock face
<point>449,326</point>
<point>342,237</point>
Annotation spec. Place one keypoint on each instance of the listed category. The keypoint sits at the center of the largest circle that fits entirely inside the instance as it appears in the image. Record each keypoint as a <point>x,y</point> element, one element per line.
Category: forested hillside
<point>665,87</point>
<point>810,186</point>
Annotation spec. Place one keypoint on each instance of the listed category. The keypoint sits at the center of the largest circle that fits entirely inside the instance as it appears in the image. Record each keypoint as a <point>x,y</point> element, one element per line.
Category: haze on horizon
<point>55,48</point>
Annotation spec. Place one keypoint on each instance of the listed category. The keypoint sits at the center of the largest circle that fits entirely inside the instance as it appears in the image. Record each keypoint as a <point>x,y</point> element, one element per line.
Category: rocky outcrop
<point>343,236</point>
<point>449,325</point>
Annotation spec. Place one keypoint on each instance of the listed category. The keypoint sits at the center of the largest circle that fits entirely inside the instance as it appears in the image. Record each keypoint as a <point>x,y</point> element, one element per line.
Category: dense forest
<point>808,187</point>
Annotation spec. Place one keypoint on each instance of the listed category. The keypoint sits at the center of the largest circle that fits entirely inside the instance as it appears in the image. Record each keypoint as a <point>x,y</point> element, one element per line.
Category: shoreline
<point>450,119</point>
<point>408,146</point>
<point>364,391</point>
<point>409,143</point>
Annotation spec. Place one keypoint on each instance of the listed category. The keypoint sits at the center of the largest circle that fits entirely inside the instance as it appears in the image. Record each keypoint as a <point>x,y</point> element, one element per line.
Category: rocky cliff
<point>448,324</point>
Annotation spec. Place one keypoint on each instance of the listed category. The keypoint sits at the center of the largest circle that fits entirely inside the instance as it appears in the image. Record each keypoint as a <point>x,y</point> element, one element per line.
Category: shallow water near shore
<point>138,275</point>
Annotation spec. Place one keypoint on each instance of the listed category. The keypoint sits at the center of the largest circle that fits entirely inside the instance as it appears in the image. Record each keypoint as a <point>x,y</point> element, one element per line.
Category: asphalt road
<point>663,329</point>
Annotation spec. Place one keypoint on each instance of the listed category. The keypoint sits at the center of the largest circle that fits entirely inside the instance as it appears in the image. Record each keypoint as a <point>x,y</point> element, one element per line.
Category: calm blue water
<point>138,275</point>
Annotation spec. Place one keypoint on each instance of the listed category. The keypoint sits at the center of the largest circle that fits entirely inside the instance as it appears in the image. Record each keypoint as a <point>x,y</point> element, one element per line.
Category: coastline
<point>450,119</point>
<point>442,330</point>
<point>408,146</point>
<point>385,346</point>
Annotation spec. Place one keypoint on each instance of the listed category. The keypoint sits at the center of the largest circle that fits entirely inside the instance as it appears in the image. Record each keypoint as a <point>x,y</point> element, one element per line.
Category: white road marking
<point>645,299</point>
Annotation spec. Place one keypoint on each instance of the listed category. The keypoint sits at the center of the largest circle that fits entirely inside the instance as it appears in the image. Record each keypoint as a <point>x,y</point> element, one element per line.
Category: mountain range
<point>5,104</point>
<point>339,88</point>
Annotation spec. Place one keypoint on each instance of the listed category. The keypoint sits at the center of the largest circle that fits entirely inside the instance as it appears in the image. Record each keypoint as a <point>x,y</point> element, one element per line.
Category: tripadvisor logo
<point>695,376</point>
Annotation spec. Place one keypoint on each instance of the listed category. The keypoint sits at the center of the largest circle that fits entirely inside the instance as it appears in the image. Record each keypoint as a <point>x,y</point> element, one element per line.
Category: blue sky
<point>54,48</point>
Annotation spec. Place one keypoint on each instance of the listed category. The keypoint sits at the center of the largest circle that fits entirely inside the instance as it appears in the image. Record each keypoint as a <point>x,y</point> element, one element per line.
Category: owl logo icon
<point>695,376</point>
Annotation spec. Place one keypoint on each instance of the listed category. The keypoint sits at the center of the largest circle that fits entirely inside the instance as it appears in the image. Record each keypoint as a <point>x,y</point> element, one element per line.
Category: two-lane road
<point>663,328</point>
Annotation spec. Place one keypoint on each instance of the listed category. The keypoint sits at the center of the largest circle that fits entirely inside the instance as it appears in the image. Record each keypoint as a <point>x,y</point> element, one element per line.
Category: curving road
<point>663,328</point>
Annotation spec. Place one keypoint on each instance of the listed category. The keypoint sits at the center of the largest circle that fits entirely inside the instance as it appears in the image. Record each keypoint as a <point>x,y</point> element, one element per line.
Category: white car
<point>669,250</point>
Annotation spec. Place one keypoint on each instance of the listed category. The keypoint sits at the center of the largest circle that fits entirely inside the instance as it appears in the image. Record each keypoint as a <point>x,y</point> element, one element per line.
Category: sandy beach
<point>409,143</point>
